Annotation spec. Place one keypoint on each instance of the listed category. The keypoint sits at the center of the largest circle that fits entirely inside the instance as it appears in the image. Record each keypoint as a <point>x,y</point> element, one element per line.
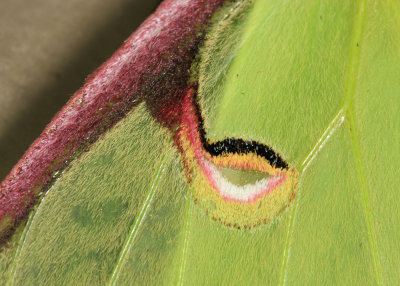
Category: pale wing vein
<point>136,224</point>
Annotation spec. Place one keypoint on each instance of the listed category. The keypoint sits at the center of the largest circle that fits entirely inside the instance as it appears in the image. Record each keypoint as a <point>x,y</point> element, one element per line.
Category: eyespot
<point>237,182</point>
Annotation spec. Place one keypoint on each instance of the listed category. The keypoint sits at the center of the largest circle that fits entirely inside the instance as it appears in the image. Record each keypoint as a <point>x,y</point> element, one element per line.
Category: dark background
<point>47,49</point>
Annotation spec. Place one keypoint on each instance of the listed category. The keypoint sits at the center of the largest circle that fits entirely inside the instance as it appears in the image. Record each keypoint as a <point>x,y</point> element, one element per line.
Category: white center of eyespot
<point>246,193</point>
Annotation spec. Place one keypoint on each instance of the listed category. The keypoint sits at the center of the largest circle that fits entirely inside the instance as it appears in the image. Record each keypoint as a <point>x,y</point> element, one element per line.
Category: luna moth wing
<point>317,116</point>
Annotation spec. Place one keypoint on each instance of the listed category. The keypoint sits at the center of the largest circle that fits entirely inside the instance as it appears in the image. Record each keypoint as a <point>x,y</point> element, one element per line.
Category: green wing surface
<point>316,80</point>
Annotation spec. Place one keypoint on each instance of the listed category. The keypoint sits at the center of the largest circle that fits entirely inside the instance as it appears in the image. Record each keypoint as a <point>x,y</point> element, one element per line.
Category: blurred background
<point>47,49</point>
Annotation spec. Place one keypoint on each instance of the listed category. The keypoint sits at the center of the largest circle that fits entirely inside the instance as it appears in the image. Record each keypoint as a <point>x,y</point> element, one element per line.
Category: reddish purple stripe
<point>151,65</point>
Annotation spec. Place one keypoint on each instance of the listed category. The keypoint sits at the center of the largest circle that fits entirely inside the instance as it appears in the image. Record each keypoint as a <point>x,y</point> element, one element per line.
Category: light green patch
<point>329,244</point>
<point>220,255</point>
<point>282,81</point>
<point>376,112</point>
<point>242,177</point>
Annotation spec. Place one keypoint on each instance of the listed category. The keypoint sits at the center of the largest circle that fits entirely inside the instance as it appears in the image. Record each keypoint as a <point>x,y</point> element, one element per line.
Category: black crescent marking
<point>237,146</point>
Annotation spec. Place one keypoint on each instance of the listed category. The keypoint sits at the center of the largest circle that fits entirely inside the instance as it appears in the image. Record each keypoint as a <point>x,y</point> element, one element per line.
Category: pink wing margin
<point>152,65</point>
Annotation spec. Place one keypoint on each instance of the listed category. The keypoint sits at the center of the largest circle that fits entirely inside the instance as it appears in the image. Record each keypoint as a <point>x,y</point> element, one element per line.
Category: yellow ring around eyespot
<point>241,210</point>
<point>243,214</point>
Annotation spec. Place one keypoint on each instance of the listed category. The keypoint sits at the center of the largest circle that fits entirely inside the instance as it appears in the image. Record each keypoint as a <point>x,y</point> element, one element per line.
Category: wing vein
<point>350,91</point>
<point>21,243</point>
<point>185,240</point>
<point>326,135</point>
<point>136,224</point>
<point>332,127</point>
